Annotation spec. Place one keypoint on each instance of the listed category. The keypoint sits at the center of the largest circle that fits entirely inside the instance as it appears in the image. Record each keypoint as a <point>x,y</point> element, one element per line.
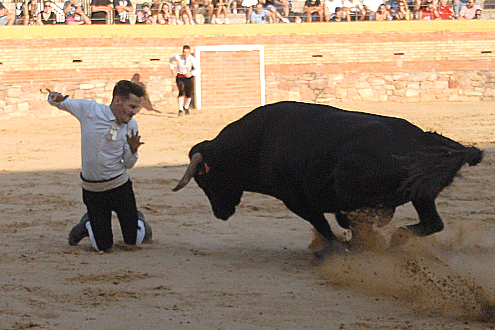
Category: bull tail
<point>430,172</point>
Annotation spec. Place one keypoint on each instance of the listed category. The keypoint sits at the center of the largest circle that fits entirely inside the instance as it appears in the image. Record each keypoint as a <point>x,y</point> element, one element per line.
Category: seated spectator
<point>392,7</point>
<point>313,10</point>
<point>468,11</point>
<point>78,18</point>
<point>429,13</point>
<point>29,14</point>
<point>353,9</point>
<point>370,8</point>
<point>445,11</point>
<point>144,16</point>
<point>100,10</point>
<point>339,16</point>
<point>6,18</point>
<point>123,8</point>
<point>183,14</point>
<point>283,7</point>
<point>478,14</point>
<point>250,5</point>
<point>259,15</point>
<point>203,7</point>
<point>403,13</point>
<point>220,8</point>
<point>329,7</point>
<point>47,16</point>
<point>382,14</point>
<point>234,4</point>
<point>70,7</point>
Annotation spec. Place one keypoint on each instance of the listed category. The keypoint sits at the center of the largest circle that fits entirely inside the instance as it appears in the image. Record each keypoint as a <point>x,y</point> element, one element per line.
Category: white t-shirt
<point>372,4</point>
<point>331,5</point>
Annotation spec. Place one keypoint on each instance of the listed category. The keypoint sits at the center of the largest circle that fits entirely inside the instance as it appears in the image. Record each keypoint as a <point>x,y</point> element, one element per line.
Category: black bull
<point>319,159</point>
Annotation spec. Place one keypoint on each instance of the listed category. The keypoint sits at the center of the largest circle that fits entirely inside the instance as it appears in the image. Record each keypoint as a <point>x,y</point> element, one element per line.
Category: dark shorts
<point>185,85</point>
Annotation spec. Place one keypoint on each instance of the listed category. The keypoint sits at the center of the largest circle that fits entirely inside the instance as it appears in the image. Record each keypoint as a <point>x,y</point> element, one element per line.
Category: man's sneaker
<point>227,20</point>
<point>181,112</point>
<point>218,21</point>
<point>285,20</point>
<point>148,232</point>
<point>186,111</point>
<point>79,231</point>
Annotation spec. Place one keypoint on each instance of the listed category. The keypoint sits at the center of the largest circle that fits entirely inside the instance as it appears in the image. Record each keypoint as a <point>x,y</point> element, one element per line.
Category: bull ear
<point>191,171</point>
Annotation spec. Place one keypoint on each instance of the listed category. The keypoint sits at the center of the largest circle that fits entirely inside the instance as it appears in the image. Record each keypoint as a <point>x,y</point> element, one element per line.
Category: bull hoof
<point>333,247</point>
<point>401,236</point>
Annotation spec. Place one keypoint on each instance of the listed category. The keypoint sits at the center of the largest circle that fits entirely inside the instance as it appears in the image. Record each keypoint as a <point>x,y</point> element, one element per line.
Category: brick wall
<point>322,62</point>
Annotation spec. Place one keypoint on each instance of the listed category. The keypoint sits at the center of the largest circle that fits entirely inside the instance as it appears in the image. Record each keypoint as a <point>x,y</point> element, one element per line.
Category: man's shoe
<point>186,111</point>
<point>148,232</point>
<point>180,112</point>
<point>79,231</point>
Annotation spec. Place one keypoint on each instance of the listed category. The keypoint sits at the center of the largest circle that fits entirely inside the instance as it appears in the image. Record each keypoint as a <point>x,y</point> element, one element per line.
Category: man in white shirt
<point>109,145</point>
<point>329,7</point>
<point>370,8</point>
<point>187,69</point>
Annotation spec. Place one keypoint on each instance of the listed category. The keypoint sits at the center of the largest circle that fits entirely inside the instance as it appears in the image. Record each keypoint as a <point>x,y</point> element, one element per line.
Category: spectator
<point>78,18</point>
<point>162,12</point>
<point>339,16</point>
<point>429,13</point>
<point>203,7</point>
<point>109,147</point>
<point>313,10</point>
<point>403,13</point>
<point>250,5</point>
<point>47,16</point>
<point>6,18</point>
<point>29,14</point>
<point>478,14</point>
<point>417,5</point>
<point>144,16</point>
<point>382,14</point>
<point>370,8</point>
<point>100,10</point>
<point>234,4</point>
<point>392,7</point>
<point>122,10</point>
<point>354,10</point>
<point>70,7</point>
<point>182,12</point>
<point>445,11</point>
<point>260,15</point>
<point>187,69</point>
<point>468,11</point>
<point>329,7</point>
<point>220,8</point>
<point>281,7</point>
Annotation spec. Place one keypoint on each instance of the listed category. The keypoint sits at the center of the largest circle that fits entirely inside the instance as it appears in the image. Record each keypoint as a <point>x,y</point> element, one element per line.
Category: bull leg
<point>321,225</point>
<point>342,220</point>
<point>429,219</point>
<point>429,223</point>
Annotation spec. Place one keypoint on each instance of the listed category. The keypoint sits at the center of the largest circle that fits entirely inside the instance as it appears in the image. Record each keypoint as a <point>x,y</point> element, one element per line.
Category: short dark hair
<point>186,47</point>
<point>125,88</point>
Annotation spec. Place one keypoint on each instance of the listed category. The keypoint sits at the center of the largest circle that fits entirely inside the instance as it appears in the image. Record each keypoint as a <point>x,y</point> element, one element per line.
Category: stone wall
<point>318,62</point>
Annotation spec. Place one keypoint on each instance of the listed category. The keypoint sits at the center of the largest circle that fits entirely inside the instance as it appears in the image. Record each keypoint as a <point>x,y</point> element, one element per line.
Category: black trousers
<point>100,205</point>
<point>185,85</point>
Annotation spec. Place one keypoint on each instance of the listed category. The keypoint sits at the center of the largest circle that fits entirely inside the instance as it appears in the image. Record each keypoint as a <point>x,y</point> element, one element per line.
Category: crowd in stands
<point>34,12</point>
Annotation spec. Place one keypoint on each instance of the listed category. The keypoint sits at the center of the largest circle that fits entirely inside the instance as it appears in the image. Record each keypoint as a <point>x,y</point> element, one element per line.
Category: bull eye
<point>204,170</point>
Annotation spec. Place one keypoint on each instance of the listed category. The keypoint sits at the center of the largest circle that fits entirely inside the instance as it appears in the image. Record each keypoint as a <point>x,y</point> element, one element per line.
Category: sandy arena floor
<point>254,271</point>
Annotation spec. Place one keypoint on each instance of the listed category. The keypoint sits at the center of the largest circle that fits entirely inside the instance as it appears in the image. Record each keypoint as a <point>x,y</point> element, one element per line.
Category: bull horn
<point>193,167</point>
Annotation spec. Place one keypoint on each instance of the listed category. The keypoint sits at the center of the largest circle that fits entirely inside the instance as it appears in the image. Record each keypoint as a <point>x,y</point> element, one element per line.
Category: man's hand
<point>56,96</point>
<point>134,142</point>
